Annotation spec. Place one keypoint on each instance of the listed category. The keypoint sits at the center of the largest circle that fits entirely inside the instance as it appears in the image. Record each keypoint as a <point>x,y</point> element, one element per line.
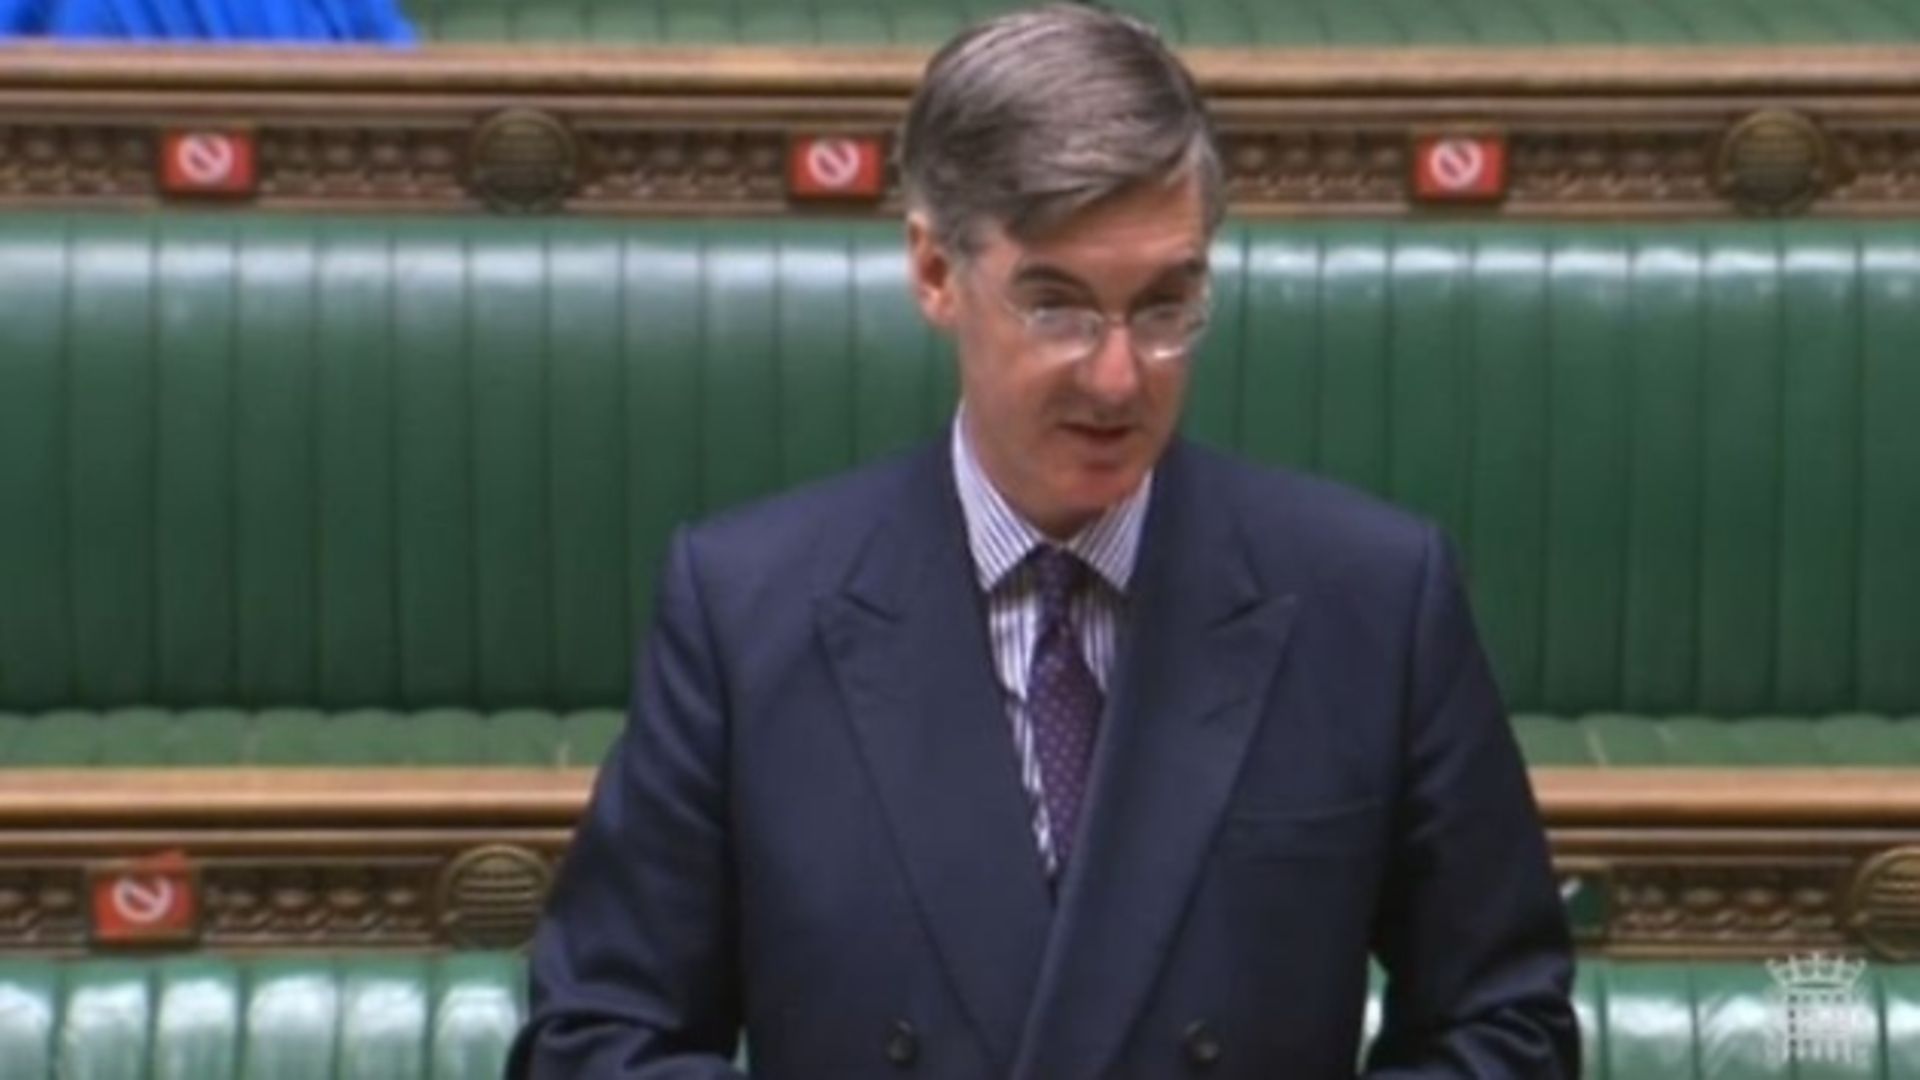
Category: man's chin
<point>1095,490</point>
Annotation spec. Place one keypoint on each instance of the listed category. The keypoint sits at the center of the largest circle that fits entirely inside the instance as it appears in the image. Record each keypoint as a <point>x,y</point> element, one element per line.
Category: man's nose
<point>1111,375</point>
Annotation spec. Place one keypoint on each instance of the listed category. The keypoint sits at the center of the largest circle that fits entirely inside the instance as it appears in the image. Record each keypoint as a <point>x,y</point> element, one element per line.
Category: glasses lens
<point>1065,334</point>
<point>1167,331</point>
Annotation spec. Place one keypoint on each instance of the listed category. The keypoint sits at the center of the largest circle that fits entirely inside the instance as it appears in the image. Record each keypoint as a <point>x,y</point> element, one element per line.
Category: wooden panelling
<point>1584,132</point>
<point>1654,862</point>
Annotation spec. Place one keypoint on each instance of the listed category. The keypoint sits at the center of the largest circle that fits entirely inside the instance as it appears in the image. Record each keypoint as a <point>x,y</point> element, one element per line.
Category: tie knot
<point>1057,575</point>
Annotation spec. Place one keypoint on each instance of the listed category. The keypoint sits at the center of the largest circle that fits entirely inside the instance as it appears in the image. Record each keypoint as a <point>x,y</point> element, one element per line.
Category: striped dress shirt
<point>1000,540</point>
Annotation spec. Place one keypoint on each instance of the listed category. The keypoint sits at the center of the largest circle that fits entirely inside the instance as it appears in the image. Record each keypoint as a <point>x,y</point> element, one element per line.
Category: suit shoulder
<point>796,530</point>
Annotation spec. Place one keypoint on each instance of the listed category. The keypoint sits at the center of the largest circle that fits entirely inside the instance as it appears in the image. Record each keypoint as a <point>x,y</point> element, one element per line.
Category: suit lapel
<point>908,643</point>
<point>1203,640</point>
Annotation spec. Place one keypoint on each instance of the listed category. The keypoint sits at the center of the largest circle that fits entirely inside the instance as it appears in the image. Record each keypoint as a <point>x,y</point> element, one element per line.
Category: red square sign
<point>1460,167</point>
<point>145,900</point>
<point>207,163</point>
<point>836,167</point>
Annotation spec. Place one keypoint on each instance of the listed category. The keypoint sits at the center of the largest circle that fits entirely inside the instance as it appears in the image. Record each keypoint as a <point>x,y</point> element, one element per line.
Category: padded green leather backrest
<point>1193,22</point>
<point>340,463</point>
<point>337,463</point>
<point>1678,459</point>
<point>198,1017</point>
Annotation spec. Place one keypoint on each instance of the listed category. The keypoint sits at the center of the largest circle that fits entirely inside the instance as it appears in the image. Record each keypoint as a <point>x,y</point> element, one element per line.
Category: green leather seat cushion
<point>134,738</point>
<point>347,1017</point>
<point>1615,739</point>
<point>1192,22</point>
<point>452,1017</point>
<point>527,738</point>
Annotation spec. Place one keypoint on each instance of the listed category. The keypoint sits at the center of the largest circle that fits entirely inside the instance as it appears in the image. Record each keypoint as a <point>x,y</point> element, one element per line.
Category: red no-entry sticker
<point>207,163</point>
<point>1462,167</point>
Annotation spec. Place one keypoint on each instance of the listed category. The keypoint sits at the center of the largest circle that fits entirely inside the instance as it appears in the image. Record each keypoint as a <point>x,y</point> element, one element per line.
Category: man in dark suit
<point>1062,748</point>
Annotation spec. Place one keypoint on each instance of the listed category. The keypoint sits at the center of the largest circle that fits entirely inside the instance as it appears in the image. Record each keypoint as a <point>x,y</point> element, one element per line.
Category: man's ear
<point>934,276</point>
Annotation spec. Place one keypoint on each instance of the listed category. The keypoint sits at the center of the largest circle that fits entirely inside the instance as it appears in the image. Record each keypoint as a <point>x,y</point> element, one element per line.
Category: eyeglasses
<point>1158,334</point>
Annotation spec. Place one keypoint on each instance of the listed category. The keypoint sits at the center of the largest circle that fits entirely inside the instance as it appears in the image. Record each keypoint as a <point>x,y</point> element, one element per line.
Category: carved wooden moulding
<point>1490,133</point>
<point>487,896</point>
<point>1652,862</point>
<point>1662,904</point>
<point>253,859</point>
<point>1759,863</point>
<point>1692,900</point>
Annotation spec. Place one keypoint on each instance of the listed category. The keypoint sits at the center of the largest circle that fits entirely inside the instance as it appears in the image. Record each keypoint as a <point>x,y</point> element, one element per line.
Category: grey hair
<point>1029,117</point>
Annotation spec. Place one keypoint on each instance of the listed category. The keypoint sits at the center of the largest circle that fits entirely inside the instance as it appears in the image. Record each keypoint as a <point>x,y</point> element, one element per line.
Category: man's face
<point>1065,440</point>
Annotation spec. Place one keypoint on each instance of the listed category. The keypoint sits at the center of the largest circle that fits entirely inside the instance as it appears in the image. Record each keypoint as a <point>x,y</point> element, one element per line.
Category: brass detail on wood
<point>320,901</point>
<point>1612,165</point>
<point>1773,162</point>
<point>523,160</point>
<point>349,165</point>
<point>42,906</point>
<point>683,166</point>
<point>1592,133</point>
<point>490,897</point>
<point>1316,165</point>
<point>77,160</point>
<point>1716,902</point>
<point>1886,904</point>
<point>1879,163</point>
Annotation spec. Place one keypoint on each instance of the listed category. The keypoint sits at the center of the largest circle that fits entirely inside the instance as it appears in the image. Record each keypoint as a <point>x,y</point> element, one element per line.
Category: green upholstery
<point>259,462</point>
<point>1617,739</point>
<point>534,738</point>
<point>255,463</point>
<point>1192,22</point>
<point>1678,459</point>
<point>147,737</point>
<point>451,1017</point>
<point>346,1017</point>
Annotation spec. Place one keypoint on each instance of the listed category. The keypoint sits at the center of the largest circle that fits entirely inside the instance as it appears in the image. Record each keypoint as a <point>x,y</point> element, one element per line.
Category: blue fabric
<point>227,20</point>
<point>19,17</point>
<point>813,826</point>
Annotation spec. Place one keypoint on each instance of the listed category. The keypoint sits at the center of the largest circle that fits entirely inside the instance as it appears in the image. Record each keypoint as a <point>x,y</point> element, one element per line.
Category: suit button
<point>903,1046</point>
<point>1202,1045</point>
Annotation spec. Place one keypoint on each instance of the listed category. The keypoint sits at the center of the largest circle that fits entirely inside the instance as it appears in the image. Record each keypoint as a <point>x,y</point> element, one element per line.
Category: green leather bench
<point>370,467</point>
<point>148,737</point>
<point>135,738</point>
<point>1193,22</point>
<point>207,1018</point>
<point>399,1018</point>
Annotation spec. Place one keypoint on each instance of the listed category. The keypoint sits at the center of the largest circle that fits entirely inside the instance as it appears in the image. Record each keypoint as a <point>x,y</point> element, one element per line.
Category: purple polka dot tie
<point>1063,700</point>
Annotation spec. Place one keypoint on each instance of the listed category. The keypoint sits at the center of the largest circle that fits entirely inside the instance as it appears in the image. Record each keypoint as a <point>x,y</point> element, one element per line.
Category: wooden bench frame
<point>1667,862</point>
<point>1587,132</point>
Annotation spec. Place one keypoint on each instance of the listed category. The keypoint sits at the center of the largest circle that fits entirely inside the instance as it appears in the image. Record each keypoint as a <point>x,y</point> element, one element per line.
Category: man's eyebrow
<point>1044,274</point>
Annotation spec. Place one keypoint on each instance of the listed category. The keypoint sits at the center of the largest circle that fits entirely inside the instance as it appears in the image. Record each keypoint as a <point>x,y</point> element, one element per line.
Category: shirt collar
<point>1000,539</point>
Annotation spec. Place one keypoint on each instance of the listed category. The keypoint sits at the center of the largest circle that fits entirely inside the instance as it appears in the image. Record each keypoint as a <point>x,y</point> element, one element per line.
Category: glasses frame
<point>1101,324</point>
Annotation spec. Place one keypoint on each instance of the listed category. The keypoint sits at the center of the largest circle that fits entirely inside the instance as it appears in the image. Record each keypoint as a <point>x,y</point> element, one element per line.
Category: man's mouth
<point>1100,434</point>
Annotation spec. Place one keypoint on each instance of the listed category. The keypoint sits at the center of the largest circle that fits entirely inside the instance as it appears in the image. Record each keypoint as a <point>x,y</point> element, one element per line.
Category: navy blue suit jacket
<point>814,827</point>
